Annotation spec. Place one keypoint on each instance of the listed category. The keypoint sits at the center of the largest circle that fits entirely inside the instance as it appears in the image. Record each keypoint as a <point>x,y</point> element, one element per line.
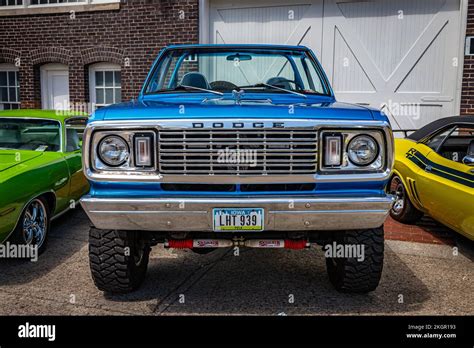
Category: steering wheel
<point>283,80</point>
<point>223,86</point>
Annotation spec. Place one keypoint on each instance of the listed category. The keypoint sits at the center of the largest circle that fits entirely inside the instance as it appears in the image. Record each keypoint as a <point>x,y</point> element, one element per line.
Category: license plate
<point>238,219</point>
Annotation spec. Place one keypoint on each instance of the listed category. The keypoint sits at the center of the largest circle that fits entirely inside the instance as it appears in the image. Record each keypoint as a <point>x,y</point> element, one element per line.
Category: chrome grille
<point>237,152</point>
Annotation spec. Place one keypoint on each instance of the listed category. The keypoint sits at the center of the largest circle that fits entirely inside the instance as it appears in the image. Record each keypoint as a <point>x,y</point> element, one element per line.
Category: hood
<point>12,158</point>
<point>262,106</point>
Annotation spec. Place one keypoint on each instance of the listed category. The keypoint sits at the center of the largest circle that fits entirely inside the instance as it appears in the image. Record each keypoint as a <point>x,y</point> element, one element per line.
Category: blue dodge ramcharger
<point>231,146</point>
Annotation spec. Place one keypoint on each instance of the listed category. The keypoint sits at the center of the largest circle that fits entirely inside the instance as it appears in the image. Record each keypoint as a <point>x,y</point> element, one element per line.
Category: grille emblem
<point>238,125</point>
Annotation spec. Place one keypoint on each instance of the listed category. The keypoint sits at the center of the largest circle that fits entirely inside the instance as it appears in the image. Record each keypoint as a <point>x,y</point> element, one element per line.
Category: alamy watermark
<point>237,156</point>
<point>28,330</point>
<point>396,109</point>
<point>19,251</point>
<point>66,108</point>
<point>336,250</point>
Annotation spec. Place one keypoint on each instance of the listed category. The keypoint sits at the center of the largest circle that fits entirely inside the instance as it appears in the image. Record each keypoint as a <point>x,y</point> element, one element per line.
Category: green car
<point>40,172</point>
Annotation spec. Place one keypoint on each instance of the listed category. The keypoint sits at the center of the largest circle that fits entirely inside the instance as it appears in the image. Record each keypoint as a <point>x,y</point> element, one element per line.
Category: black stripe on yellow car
<point>439,170</point>
<point>414,190</point>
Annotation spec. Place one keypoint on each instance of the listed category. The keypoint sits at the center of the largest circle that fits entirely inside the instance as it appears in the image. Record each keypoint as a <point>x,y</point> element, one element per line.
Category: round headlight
<point>113,150</point>
<point>362,150</point>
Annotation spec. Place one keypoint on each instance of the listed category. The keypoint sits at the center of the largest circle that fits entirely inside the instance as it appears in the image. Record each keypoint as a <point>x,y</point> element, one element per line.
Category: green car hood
<point>11,158</point>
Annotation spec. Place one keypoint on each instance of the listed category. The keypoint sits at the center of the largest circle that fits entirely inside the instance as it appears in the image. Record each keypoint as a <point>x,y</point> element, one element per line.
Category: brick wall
<point>130,37</point>
<point>467,94</point>
<point>137,31</point>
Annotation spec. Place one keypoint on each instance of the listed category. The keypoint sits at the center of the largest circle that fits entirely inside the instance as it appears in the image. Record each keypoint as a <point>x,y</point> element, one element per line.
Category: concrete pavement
<point>417,279</point>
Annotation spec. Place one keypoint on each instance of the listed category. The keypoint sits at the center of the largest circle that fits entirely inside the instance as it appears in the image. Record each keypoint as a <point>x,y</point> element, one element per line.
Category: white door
<point>399,55</point>
<point>55,87</point>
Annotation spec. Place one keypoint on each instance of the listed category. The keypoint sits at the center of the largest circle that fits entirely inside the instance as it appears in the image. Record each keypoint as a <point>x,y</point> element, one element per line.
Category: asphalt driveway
<point>417,279</point>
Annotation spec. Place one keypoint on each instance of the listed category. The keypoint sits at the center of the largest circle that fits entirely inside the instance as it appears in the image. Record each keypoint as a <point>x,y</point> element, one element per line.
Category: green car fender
<point>34,174</point>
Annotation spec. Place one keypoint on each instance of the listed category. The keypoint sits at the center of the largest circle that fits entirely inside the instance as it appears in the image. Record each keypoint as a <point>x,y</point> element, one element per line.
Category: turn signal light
<point>332,150</point>
<point>143,150</point>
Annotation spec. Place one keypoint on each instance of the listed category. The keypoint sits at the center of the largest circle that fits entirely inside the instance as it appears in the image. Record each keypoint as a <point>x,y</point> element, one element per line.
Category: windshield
<point>255,71</point>
<point>29,134</point>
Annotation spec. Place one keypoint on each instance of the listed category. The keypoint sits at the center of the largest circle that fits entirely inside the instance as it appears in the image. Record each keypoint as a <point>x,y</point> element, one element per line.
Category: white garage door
<point>399,55</point>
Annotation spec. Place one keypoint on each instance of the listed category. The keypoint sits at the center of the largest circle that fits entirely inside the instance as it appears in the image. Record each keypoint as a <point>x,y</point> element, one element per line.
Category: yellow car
<point>434,174</point>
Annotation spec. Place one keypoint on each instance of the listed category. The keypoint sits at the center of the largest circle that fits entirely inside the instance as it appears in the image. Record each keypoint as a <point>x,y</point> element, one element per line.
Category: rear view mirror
<point>239,57</point>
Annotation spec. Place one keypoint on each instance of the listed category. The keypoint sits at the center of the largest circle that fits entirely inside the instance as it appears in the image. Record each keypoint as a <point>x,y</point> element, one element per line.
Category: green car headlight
<point>362,150</point>
<point>113,151</point>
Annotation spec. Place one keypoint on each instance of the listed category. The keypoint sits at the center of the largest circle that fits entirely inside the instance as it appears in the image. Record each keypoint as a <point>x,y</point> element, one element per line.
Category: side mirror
<point>468,160</point>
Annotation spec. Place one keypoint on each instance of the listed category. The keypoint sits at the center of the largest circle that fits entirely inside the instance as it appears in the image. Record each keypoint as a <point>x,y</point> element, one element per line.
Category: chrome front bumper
<point>195,214</point>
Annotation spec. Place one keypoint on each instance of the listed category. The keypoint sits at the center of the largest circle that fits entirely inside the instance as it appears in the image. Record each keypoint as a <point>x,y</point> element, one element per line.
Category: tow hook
<point>227,243</point>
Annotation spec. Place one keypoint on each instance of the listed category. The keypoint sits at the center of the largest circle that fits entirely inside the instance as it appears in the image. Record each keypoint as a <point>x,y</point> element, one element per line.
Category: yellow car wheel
<point>403,209</point>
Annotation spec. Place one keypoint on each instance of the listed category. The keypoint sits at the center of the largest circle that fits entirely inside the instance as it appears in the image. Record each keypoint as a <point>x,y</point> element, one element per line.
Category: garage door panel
<point>271,22</point>
<point>422,78</point>
<point>405,49</point>
<point>348,74</point>
<point>258,24</point>
<point>379,52</point>
<point>433,32</point>
<point>386,23</point>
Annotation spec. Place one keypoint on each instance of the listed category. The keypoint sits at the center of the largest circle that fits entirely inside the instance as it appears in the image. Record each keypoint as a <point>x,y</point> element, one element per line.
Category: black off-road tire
<point>118,260</point>
<point>354,276</point>
<point>408,214</point>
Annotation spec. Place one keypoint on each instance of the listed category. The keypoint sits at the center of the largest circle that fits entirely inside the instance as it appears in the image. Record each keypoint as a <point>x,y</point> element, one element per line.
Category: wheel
<point>357,274</point>
<point>118,259</point>
<point>403,209</point>
<point>33,226</point>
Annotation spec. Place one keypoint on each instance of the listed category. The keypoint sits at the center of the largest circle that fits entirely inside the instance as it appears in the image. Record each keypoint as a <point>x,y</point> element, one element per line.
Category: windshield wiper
<point>199,89</point>
<point>186,87</point>
<point>262,84</point>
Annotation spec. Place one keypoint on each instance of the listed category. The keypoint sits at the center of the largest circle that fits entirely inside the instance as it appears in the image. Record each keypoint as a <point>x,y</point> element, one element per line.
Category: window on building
<point>49,2</point>
<point>105,82</point>
<point>9,87</point>
<point>11,2</point>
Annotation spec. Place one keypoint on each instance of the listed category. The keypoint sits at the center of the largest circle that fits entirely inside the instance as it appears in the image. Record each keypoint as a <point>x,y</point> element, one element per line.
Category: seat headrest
<point>72,140</point>
<point>195,79</point>
<point>470,148</point>
<point>279,82</point>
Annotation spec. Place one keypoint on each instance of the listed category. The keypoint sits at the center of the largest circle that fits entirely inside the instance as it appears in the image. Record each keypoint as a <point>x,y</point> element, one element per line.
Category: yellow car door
<point>445,184</point>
